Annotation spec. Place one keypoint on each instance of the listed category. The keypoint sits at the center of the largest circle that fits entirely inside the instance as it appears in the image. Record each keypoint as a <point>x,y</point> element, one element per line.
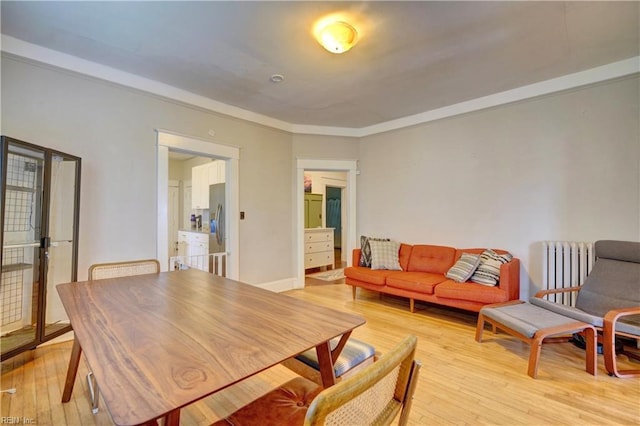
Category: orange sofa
<point>423,278</point>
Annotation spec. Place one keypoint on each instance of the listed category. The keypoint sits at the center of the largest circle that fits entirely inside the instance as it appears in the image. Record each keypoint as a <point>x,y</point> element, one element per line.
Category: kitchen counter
<point>203,231</point>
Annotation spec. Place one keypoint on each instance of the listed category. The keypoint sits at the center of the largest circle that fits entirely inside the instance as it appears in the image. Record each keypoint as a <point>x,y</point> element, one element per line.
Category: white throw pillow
<point>384,255</point>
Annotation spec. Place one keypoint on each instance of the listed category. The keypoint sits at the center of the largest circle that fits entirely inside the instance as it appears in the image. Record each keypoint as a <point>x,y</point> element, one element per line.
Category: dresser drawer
<point>318,236</point>
<point>318,247</point>
<point>314,260</point>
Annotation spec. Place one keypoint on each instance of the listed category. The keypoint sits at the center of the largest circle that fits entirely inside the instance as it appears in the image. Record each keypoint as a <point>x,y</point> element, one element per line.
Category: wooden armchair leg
<point>610,363</point>
<point>534,356</point>
<point>591,350</point>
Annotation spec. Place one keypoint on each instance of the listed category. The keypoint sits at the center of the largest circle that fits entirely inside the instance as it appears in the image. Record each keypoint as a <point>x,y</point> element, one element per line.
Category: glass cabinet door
<point>39,216</point>
<point>60,255</point>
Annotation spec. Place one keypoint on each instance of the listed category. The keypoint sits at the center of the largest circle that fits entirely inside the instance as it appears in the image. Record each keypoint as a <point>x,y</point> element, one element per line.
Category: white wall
<point>558,167</point>
<point>113,130</point>
<point>563,166</point>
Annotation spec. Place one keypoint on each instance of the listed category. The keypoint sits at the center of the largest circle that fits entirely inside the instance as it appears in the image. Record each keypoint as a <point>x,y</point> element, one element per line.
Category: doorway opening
<point>335,217</point>
<point>348,206</point>
<point>173,143</point>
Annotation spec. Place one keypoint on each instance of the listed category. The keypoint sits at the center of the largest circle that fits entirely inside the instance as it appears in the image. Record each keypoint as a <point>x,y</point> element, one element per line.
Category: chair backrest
<point>100,271</point>
<point>614,281</point>
<point>374,395</point>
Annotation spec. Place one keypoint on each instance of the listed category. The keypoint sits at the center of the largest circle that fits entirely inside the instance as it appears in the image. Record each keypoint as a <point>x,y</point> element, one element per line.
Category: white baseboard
<point>280,285</point>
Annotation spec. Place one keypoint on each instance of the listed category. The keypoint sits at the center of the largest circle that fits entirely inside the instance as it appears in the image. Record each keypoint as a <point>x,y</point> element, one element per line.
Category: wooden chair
<point>609,299</point>
<point>607,303</point>
<point>376,395</point>
<point>535,326</point>
<point>101,271</point>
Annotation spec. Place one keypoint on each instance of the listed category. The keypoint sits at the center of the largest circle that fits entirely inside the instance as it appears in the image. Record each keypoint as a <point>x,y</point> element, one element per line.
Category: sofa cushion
<point>365,250</point>
<point>428,258</point>
<point>471,291</point>
<point>464,267</point>
<point>488,272</point>
<point>376,277</point>
<point>421,282</point>
<point>384,255</point>
<point>404,255</point>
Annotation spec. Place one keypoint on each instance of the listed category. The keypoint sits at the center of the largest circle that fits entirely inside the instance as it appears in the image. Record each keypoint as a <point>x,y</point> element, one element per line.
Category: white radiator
<point>565,264</point>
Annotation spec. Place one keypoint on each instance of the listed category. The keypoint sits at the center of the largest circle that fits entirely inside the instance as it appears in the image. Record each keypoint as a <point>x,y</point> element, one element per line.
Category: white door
<point>173,213</point>
<point>186,205</point>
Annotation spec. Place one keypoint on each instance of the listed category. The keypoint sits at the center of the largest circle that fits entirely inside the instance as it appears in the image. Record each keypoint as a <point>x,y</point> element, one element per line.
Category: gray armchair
<point>609,299</point>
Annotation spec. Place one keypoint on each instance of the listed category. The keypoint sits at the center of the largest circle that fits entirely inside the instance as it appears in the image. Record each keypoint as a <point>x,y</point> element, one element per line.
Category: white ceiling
<point>412,57</point>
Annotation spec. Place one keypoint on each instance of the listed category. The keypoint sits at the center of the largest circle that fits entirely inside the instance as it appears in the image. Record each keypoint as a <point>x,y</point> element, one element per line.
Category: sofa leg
<point>480,328</point>
<point>412,305</point>
<point>353,292</point>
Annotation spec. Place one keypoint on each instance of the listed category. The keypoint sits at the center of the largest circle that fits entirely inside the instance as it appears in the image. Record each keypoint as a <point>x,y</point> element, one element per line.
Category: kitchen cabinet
<point>194,247</point>
<point>312,210</point>
<point>201,178</point>
<point>318,247</point>
<point>200,187</point>
<point>217,172</point>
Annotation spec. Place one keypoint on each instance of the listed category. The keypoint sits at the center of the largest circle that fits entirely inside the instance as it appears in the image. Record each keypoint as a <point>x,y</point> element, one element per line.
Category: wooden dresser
<point>318,247</point>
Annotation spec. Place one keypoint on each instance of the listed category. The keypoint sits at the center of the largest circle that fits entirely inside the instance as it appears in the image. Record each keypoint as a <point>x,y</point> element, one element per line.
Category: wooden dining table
<point>159,342</point>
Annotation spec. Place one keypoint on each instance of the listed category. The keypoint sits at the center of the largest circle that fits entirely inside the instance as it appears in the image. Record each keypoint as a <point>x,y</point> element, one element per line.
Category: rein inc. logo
<point>17,421</point>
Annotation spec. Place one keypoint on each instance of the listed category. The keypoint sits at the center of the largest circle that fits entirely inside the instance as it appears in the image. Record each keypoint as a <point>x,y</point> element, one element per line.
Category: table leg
<point>173,418</point>
<point>72,370</point>
<point>325,363</point>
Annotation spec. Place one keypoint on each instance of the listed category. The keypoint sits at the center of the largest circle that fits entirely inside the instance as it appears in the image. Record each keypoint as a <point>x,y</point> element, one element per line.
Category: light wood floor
<point>462,382</point>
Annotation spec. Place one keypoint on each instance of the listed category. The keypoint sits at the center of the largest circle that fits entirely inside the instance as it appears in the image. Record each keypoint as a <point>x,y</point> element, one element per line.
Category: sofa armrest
<point>355,257</point>
<point>510,278</point>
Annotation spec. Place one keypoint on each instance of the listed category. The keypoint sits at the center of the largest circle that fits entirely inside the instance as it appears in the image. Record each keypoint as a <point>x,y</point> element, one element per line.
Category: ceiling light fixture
<point>277,78</point>
<point>337,37</point>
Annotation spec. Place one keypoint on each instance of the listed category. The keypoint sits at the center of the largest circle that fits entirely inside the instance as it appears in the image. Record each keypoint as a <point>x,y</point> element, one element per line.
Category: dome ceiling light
<point>337,36</point>
<point>276,78</point>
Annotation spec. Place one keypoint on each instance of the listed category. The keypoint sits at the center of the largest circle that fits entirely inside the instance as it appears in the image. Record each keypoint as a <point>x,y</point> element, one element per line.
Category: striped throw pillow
<point>488,272</point>
<point>365,250</point>
<point>464,267</point>
<point>384,255</point>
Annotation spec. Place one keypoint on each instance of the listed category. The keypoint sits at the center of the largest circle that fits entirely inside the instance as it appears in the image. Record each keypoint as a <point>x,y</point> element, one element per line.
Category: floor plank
<point>462,382</point>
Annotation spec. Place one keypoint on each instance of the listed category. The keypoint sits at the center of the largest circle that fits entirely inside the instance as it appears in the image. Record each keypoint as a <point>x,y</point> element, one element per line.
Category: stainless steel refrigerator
<point>216,214</point>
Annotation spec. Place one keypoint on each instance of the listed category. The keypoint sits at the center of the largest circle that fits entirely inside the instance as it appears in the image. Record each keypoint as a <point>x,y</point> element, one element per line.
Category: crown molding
<point>570,81</point>
<point>47,56</point>
<point>57,59</point>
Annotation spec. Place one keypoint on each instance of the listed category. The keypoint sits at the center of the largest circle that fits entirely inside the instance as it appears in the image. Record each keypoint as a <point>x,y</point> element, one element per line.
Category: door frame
<point>175,184</point>
<point>169,141</point>
<point>343,214</point>
<point>349,228</point>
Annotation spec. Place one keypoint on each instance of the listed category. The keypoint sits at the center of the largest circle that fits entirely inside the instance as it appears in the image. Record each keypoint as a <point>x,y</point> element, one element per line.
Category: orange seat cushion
<point>286,405</point>
<point>421,282</point>
<point>471,291</point>
<point>428,258</point>
<point>361,273</point>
